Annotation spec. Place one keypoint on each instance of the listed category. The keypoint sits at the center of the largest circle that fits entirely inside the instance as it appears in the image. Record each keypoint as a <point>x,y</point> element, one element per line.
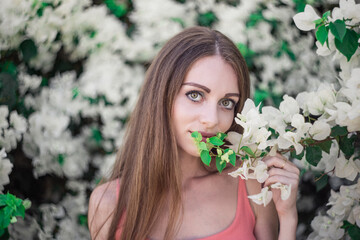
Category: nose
<point>209,116</point>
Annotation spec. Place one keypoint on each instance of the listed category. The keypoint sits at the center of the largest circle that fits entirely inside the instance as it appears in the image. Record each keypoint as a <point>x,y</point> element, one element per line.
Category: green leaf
<point>117,8</point>
<point>248,150</point>
<point>205,157</point>
<point>299,156</point>
<point>338,131</point>
<point>221,135</point>
<point>349,44</point>
<point>28,50</point>
<point>318,21</point>
<point>326,15</point>
<point>313,155</point>
<point>325,146</point>
<point>347,145</point>
<point>197,136</point>
<point>207,19</point>
<point>20,211</point>
<point>8,88</point>
<point>322,34</point>
<point>352,229</point>
<point>83,220</point>
<point>202,146</point>
<point>216,141</point>
<point>309,141</point>
<point>354,232</point>
<point>61,159</point>
<point>260,95</point>
<point>220,165</point>
<point>338,29</point>
<point>321,182</point>
<point>179,20</point>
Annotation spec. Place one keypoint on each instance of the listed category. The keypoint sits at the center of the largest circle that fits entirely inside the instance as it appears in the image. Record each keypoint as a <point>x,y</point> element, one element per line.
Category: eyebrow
<point>208,90</point>
<point>198,85</point>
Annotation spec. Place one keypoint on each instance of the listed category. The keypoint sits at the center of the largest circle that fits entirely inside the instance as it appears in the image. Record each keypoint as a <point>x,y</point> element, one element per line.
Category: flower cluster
<point>344,206</point>
<point>72,71</point>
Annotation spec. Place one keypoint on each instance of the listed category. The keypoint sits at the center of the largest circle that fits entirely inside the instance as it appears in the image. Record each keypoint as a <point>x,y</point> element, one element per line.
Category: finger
<point>282,179</point>
<point>281,163</point>
<point>283,172</point>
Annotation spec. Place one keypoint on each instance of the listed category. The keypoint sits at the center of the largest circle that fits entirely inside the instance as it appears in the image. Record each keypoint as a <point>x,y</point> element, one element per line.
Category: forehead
<point>213,72</point>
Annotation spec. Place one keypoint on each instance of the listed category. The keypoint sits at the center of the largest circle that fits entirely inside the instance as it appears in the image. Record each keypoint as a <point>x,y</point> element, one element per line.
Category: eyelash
<point>232,102</point>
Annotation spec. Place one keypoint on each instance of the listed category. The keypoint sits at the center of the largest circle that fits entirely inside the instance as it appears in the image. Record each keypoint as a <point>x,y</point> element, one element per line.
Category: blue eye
<point>227,104</point>
<point>194,96</point>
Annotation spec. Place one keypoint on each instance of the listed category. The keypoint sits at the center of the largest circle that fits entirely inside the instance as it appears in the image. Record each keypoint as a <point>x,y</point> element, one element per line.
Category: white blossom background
<point>71,71</point>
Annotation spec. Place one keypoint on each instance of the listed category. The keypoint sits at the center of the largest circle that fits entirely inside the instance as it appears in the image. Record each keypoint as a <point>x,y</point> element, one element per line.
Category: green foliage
<point>220,165</point>
<point>248,151</point>
<point>352,229</point>
<point>8,87</point>
<point>347,145</point>
<point>338,29</point>
<point>205,157</point>
<point>247,53</point>
<point>117,8</point>
<point>8,67</point>
<point>338,131</point>
<point>61,159</point>
<point>10,208</point>
<point>322,34</point>
<point>222,157</point>
<point>321,180</point>
<point>299,156</point>
<point>349,43</point>
<point>28,50</point>
<point>215,141</point>
<point>96,135</point>
<point>260,95</point>
<point>325,146</point>
<point>207,19</point>
<point>254,18</point>
<point>313,155</point>
<point>179,20</point>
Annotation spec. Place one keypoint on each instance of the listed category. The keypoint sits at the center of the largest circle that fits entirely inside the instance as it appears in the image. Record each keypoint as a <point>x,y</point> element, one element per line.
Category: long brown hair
<point>147,163</point>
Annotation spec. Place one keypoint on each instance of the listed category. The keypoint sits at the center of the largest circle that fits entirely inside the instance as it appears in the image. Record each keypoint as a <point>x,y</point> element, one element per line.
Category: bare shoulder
<point>101,207</point>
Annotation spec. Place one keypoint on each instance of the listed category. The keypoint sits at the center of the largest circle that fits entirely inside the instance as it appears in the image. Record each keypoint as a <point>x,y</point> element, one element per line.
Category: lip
<point>205,135</point>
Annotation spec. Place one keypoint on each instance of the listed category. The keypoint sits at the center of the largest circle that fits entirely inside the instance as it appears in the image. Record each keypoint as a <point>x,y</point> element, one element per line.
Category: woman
<point>159,188</point>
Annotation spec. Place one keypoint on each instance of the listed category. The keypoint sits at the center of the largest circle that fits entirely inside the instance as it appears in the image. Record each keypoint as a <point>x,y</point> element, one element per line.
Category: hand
<point>283,171</point>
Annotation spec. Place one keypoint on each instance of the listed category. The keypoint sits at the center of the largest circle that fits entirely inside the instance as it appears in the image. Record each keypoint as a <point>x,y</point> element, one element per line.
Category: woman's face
<point>205,102</point>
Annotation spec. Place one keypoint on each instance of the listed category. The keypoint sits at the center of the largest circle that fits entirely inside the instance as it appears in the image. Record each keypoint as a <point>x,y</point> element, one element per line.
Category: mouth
<point>205,135</point>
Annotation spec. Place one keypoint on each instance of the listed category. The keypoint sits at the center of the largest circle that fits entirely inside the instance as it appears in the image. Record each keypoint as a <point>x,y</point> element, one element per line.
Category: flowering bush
<point>70,72</point>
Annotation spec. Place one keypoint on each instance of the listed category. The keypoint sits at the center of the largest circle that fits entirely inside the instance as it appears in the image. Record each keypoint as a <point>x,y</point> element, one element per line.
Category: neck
<point>192,168</point>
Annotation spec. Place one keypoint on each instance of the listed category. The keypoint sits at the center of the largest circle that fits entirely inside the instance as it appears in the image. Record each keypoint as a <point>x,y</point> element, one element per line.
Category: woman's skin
<point>205,103</point>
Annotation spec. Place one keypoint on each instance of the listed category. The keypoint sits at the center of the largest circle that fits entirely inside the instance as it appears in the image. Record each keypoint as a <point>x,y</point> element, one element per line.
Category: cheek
<point>227,120</point>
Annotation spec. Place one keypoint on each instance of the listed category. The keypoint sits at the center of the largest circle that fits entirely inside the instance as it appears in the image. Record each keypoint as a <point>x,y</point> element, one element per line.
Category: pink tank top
<point>241,228</point>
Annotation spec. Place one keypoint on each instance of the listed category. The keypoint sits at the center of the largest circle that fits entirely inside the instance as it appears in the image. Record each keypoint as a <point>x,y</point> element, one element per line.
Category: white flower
<point>242,171</point>
<point>355,215</point>
<point>253,124</point>
<point>348,169</point>
<point>290,138</point>
<point>5,169</point>
<point>320,130</point>
<point>274,118</point>
<point>262,198</point>
<point>260,172</point>
<point>305,20</point>
<point>18,122</point>
<point>288,107</point>
<point>4,112</point>
<point>285,190</point>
